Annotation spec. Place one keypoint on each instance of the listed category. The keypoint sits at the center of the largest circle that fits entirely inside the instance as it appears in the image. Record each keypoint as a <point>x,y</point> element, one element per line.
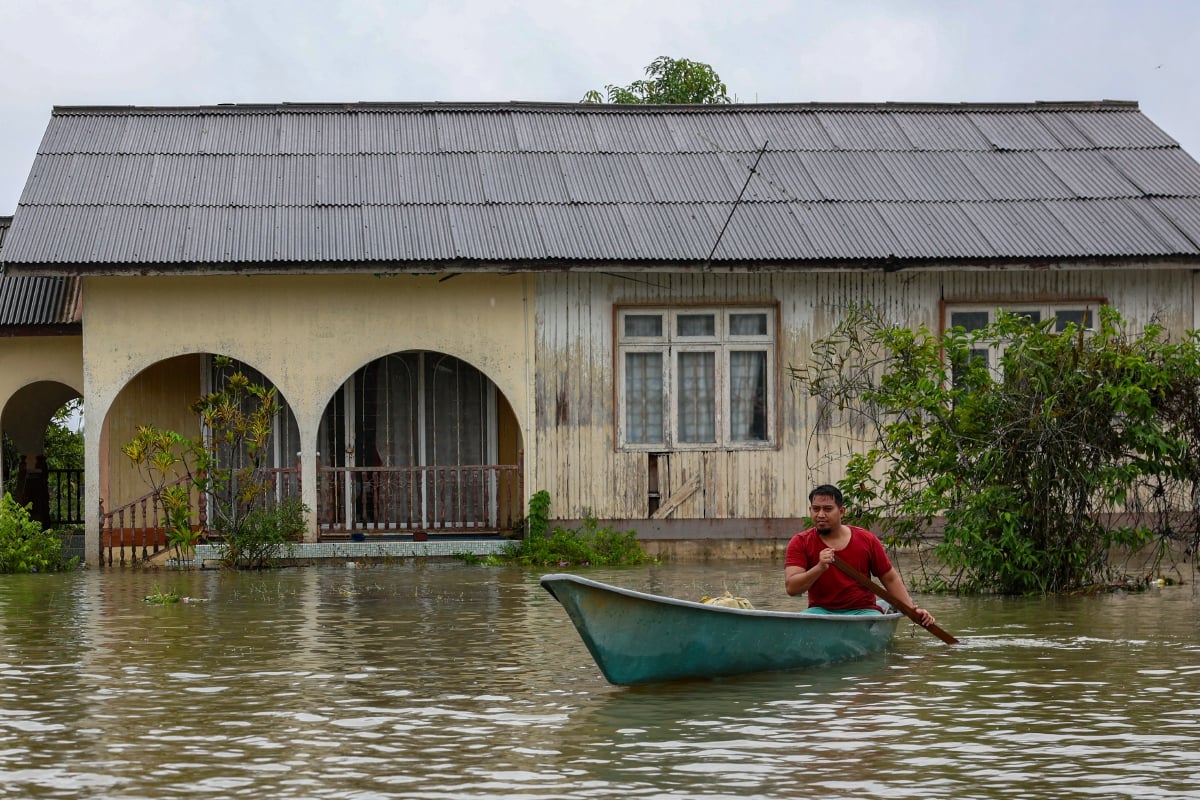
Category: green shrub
<point>228,464</point>
<point>25,546</point>
<point>255,542</point>
<point>162,597</point>
<point>589,544</point>
<point>1033,461</point>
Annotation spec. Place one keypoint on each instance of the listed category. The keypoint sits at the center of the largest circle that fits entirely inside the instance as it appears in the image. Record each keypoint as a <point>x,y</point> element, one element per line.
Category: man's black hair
<point>827,490</point>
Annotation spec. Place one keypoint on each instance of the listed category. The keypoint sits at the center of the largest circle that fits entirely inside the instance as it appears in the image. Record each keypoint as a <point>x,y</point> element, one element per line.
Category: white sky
<point>197,52</point>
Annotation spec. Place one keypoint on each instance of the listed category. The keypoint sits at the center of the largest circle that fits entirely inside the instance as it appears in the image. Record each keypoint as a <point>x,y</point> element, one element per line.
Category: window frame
<point>1046,308</point>
<point>670,344</point>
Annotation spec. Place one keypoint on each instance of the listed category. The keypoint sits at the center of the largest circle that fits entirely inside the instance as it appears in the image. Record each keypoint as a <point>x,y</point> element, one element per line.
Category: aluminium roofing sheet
<point>863,131</point>
<point>1007,131</point>
<point>1088,173</point>
<point>933,177</point>
<point>1107,131</point>
<point>1108,227</point>
<point>920,227</point>
<point>1182,213</point>
<point>941,132</point>
<point>29,301</point>
<point>267,186</point>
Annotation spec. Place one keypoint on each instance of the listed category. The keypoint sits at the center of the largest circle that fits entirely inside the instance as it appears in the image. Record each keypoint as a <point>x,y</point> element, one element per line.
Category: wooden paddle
<point>909,611</point>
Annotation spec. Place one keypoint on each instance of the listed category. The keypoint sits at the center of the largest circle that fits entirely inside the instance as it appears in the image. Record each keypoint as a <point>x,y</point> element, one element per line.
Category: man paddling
<point>811,553</point>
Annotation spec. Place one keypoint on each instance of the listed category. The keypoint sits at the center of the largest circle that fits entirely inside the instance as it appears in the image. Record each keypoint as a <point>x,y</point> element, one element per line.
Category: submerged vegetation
<point>591,544</point>
<point>1042,449</point>
<point>25,546</point>
<point>162,597</point>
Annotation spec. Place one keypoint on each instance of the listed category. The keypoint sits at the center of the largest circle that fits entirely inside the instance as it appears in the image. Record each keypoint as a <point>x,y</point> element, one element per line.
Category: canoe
<point>638,638</point>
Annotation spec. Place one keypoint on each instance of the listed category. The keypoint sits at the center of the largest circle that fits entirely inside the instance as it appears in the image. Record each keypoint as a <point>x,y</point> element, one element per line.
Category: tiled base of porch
<point>379,550</point>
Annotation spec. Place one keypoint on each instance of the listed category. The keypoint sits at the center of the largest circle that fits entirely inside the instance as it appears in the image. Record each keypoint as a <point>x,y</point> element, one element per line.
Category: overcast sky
<point>197,52</point>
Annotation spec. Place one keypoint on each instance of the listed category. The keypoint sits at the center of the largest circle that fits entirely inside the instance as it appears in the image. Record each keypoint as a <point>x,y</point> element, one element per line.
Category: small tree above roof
<point>676,81</point>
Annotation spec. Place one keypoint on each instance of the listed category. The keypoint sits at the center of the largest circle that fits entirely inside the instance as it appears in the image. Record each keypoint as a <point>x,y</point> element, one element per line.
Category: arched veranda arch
<point>415,443</point>
<point>54,494</point>
<point>162,395</point>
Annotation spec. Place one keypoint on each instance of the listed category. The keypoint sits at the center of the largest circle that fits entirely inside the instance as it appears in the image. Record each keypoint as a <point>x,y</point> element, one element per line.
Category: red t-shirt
<point>835,590</point>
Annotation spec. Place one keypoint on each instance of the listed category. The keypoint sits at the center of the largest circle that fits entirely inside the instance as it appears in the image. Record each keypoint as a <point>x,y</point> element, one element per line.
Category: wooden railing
<point>136,531</point>
<point>483,499</point>
<point>461,499</point>
<point>139,525</point>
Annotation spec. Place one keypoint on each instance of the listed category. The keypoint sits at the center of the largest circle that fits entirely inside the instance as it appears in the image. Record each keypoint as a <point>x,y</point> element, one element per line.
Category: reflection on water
<point>434,680</point>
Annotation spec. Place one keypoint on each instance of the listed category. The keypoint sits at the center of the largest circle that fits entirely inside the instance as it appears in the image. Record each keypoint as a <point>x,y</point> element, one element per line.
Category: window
<point>975,316</point>
<point>285,433</point>
<point>695,378</point>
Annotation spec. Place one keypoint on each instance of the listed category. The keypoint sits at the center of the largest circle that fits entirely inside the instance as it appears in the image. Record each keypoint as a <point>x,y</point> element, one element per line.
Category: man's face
<point>826,513</point>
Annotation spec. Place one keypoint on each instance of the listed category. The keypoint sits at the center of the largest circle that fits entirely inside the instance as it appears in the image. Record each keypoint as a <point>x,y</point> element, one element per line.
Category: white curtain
<point>697,396</point>
<point>748,395</point>
<point>644,398</point>
<point>456,401</point>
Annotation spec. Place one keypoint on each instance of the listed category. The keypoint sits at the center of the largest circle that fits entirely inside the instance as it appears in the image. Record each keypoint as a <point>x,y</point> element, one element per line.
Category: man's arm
<point>895,584</point>
<point>798,580</point>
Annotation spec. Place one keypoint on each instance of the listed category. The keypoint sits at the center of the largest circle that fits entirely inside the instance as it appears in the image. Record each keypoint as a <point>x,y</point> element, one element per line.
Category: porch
<point>355,506</point>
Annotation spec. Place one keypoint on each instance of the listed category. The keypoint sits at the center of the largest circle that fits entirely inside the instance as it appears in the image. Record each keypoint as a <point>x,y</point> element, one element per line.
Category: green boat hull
<point>638,638</point>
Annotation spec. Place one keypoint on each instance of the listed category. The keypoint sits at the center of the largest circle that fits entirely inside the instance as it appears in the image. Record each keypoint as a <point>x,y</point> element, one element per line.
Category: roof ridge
<point>600,108</point>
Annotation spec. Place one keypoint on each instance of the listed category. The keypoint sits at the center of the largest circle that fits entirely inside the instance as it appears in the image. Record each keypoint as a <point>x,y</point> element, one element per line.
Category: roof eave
<point>889,264</point>
<point>58,329</point>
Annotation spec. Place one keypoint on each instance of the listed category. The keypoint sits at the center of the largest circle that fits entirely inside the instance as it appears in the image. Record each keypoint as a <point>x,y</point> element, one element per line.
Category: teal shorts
<point>852,612</point>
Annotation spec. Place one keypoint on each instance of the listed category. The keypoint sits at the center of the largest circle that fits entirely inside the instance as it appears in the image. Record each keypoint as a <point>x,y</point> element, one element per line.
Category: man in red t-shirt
<point>809,564</point>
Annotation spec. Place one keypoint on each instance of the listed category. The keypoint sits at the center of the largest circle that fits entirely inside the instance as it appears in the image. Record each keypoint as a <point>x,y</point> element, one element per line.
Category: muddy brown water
<point>439,680</point>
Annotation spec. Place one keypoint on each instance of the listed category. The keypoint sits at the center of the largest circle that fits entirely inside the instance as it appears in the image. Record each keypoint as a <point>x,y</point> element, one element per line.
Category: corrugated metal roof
<point>28,302</point>
<point>501,184</point>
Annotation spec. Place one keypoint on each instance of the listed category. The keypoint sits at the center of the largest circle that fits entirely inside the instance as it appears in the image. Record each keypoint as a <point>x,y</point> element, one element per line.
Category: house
<point>41,352</point>
<point>462,304</point>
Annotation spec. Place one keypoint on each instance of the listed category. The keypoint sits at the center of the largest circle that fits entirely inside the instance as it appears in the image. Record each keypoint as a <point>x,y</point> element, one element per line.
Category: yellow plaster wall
<point>29,359</point>
<point>306,333</point>
<point>160,395</point>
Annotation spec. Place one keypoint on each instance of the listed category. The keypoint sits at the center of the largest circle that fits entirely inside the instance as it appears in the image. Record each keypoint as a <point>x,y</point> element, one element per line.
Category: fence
<point>136,530</point>
<point>454,499</point>
<point>64,488</point>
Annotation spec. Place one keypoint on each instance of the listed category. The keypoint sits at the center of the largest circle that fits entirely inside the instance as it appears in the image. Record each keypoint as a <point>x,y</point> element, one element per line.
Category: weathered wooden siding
<point>576,458</point>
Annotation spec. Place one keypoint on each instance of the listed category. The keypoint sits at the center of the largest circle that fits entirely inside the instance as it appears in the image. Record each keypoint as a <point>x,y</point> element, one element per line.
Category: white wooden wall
<point>576,459</point>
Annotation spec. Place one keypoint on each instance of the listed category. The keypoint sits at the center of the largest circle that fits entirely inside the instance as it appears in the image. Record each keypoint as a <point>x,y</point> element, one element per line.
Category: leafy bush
<point>255,542</point>
<point>1031,466</point>
<point>229,465</point>
<point>25,546</point>
<point>160,455</point>
<point>589,544</point>
<point>12,463</point>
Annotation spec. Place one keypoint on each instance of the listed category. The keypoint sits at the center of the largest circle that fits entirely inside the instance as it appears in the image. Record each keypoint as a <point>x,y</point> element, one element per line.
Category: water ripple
<point>445,681</point>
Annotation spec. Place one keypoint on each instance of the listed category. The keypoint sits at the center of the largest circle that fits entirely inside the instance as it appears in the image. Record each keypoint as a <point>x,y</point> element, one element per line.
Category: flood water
<point>440,680</point>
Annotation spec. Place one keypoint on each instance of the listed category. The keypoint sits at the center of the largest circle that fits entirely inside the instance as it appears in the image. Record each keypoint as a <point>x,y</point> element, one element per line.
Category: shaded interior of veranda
<point>419,445</point>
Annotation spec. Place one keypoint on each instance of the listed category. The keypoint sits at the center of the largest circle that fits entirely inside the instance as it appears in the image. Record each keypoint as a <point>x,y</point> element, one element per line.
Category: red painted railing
<point>138,525</point>
<point>484,498</point>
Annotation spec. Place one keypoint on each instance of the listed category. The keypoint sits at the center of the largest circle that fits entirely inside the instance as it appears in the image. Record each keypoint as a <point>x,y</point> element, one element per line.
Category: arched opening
<point>43,453</point>
<point>418,442</point>
<point>162,395</point>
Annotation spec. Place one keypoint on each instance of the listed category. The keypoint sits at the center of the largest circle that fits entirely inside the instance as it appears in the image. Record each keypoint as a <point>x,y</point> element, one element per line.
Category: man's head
<point>827,490</point>
<point>825,506</point>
